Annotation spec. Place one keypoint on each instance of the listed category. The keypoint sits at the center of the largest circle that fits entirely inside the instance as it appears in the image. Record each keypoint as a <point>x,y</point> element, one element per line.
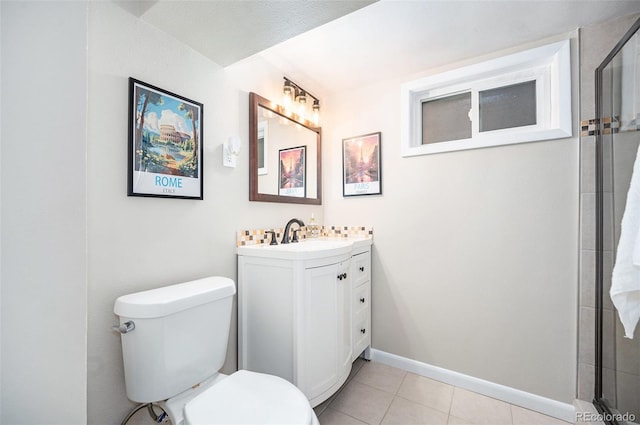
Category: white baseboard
<point>547,406</point>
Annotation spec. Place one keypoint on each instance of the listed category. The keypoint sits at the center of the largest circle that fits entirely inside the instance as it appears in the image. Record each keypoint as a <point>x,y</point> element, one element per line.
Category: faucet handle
<point>295,235</point>
<point>273,237</point>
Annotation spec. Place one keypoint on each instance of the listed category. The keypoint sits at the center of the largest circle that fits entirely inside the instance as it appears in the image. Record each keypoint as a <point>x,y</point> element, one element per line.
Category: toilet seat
<point>250,398</point>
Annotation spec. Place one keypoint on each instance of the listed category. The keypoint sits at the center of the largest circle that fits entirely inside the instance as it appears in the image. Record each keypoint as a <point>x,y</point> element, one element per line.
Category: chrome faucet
<point>285,237</point>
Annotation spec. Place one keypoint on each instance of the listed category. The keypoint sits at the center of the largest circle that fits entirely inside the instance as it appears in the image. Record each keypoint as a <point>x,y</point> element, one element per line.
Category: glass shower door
<point>617,391</point>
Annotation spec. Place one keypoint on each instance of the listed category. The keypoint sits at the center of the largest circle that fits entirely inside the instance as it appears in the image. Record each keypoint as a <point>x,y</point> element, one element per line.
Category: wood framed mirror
<point>285,160</point>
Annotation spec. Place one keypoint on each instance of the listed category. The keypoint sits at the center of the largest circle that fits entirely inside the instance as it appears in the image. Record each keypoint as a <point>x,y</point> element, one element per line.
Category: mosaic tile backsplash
<point>259,236</point>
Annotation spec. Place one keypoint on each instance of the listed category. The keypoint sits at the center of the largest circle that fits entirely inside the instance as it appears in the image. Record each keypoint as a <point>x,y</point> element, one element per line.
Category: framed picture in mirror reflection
<point>292,171</point>
<point>361,173</point>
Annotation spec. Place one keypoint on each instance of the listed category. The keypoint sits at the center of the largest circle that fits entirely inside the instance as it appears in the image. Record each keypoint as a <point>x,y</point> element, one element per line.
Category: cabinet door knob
<point>362,300</point>
<point>364,331</point>
<point>361,268</point>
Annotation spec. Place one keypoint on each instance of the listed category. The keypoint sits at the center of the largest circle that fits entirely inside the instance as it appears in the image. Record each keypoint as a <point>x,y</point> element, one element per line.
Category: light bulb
<point>302,111</point>
<point>302,105</point>
<point>287,95</point>
<point>286,101</point>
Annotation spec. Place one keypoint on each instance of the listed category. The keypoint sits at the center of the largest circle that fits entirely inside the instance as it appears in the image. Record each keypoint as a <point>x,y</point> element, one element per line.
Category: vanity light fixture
<point>296,96</point>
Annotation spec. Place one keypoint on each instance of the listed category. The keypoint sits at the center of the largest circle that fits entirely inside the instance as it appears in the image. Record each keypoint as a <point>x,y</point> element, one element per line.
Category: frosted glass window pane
<point>508,106</point>
<point>446,119</point>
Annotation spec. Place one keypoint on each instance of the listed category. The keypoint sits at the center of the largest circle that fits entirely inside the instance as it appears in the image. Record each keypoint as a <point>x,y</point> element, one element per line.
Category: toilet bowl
<point>250,398</point>
<point>174,341</point>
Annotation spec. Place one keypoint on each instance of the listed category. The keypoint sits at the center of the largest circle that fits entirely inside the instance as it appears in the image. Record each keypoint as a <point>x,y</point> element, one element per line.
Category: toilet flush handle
<point>124,328</point>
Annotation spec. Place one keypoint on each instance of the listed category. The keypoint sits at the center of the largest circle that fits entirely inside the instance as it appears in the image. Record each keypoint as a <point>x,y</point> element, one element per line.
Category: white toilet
<point>174,341</point>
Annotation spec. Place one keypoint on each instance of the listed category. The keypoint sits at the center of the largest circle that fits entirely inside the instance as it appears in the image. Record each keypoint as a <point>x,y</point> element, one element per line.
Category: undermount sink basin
<point>306,249</point>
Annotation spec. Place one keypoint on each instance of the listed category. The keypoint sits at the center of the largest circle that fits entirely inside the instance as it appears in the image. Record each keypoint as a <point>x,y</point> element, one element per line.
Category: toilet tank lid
<point>171,299</point>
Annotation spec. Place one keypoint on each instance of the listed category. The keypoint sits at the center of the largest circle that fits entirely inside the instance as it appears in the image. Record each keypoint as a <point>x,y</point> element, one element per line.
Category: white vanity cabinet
<point>294,319</point>
<point>325,336</point>
<point>361,302</point>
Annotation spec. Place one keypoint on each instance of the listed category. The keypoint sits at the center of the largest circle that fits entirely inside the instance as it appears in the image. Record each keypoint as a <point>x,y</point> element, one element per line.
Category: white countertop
<point>306,249</point>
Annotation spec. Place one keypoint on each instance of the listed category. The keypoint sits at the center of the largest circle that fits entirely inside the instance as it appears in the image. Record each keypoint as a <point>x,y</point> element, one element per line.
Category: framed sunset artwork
<point>361,173</point>
<point>292,172</point>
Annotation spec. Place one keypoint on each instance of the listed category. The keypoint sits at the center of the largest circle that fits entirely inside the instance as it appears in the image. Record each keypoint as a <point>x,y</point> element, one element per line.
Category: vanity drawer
<point>361,299</point>
<point>361,333</point>
<point>361,264</point>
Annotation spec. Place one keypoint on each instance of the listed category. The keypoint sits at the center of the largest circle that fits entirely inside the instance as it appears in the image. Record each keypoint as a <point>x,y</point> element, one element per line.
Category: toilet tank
<point>180,336</point>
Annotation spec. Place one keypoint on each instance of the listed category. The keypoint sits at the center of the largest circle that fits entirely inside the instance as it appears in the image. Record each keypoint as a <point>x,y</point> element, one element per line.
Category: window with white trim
<point>518,98</point>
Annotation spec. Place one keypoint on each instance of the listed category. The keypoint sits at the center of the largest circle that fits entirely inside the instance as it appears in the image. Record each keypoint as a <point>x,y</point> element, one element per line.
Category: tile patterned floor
<point>377,394</point>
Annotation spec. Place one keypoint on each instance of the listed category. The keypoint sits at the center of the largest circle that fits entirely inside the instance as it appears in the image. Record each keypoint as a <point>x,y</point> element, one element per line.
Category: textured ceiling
<point>227,31</point>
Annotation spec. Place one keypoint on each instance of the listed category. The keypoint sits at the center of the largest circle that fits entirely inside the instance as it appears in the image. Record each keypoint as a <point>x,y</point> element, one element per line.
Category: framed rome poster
<point>165,143</point>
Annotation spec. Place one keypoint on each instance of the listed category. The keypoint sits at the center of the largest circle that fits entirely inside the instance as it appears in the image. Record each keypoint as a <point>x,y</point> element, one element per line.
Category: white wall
<point>475,252</point>
<point>139,243</point>
<point>43,198</point>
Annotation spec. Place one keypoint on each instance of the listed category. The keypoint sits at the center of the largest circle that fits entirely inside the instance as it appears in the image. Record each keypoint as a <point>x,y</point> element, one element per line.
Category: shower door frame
<point>598,401</point>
